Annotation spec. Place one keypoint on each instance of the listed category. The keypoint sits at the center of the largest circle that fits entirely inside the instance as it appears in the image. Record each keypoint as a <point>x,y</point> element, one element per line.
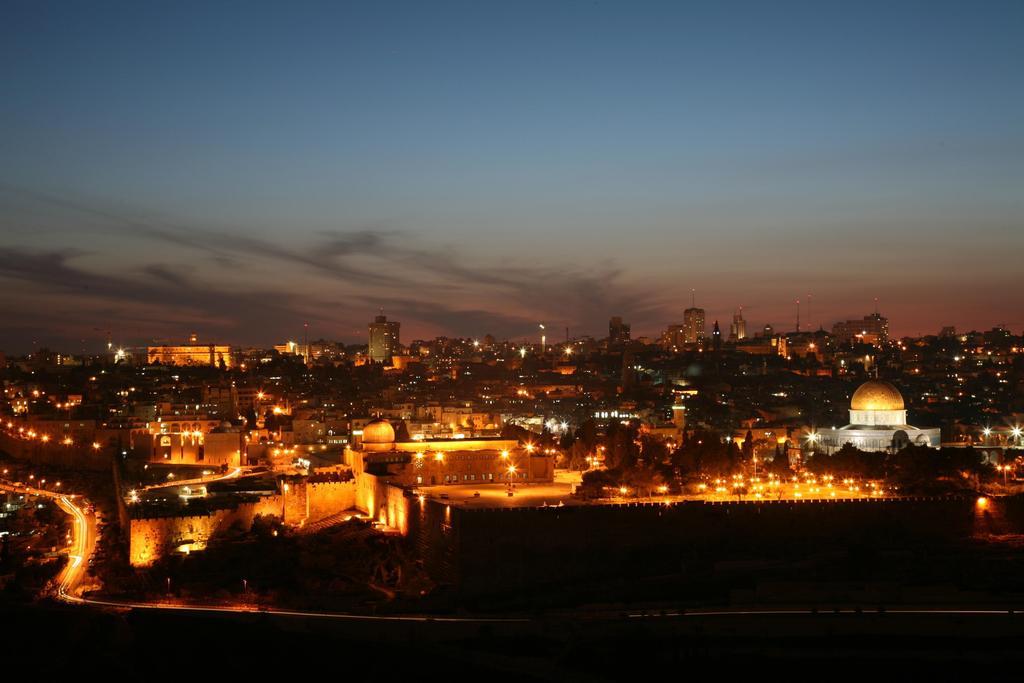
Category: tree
<point>779,465</point>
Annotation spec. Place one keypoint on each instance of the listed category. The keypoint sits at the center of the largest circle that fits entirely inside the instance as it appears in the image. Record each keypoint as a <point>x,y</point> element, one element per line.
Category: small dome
<point>379,431</point>
<point>876,395</point>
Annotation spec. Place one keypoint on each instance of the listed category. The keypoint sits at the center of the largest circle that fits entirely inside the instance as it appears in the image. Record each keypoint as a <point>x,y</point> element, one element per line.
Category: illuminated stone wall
<point>386,503</point>
<point>329,498</point>
<point>154,537</point>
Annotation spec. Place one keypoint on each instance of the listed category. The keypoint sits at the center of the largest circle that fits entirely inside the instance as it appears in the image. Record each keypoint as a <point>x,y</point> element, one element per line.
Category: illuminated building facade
<point>693,325</point>
<point>878,422</point>
<point>189,440</point>
<point>192,353</point>
<point>384,339</point>
<point>445,461</point>
<point>738,329</point>
<point>673,338</point>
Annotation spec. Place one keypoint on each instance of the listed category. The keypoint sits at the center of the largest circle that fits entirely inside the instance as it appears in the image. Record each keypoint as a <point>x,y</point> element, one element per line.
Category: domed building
<point>878,422</point>
<point>378,435</point>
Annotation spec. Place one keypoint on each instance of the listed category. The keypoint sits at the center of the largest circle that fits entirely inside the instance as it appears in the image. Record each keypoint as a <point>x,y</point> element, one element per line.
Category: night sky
<point>480,167</point>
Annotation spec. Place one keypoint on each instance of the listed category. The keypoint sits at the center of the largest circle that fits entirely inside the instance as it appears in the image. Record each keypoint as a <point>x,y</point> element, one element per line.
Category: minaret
<point>305,342</point>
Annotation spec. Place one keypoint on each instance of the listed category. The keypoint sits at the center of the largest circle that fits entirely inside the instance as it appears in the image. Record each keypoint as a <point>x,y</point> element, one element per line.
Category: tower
<point>693,325</point>
<point>738,329</point>
<point>383,343</point>
<point>618,332</point>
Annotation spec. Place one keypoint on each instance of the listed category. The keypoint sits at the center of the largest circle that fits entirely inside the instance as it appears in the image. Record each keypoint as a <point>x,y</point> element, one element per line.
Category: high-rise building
<point>716,337</point>
<point>872,329</point>
<point>738,329</point>
<point>673,338</point>
<point>618,331</point>
<point>693,325</point>
<point>383,339</point>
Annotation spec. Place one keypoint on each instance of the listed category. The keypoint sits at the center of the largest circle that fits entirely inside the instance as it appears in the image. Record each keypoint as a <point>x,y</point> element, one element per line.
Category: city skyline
<point>473,171</point>
<point>578,340</point>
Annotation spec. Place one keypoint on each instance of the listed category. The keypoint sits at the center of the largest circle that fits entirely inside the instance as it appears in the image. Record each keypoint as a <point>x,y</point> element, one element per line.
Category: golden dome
<point>379,431</point>
<point>876,395</point>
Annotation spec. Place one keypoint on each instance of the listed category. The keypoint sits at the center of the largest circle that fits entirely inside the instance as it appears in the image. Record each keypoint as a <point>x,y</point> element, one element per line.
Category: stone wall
<point>55,454</point>
<point>385,502</point>
<point>487,551</point>
<point>153,537</point>
<point>329,498</point>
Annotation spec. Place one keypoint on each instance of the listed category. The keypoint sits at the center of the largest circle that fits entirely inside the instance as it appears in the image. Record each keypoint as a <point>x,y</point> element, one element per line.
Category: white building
<point>878,422</point>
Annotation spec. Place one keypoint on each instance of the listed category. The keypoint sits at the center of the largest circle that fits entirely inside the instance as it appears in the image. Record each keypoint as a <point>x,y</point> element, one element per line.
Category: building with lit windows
<point>872,329</point>
<point>383,339</point>
<point>738,328</point>
<point>618,332</point>
<point>192,353</point>
<point>433,462</point>
<point>693,325</point>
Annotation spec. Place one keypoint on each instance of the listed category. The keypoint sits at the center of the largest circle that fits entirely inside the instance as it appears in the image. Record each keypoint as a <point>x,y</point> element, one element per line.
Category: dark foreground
<point>55,640</point>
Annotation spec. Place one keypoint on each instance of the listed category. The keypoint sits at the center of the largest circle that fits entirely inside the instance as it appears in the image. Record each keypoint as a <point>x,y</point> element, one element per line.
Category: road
<point>83,537</point>
<point>233,474</point>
